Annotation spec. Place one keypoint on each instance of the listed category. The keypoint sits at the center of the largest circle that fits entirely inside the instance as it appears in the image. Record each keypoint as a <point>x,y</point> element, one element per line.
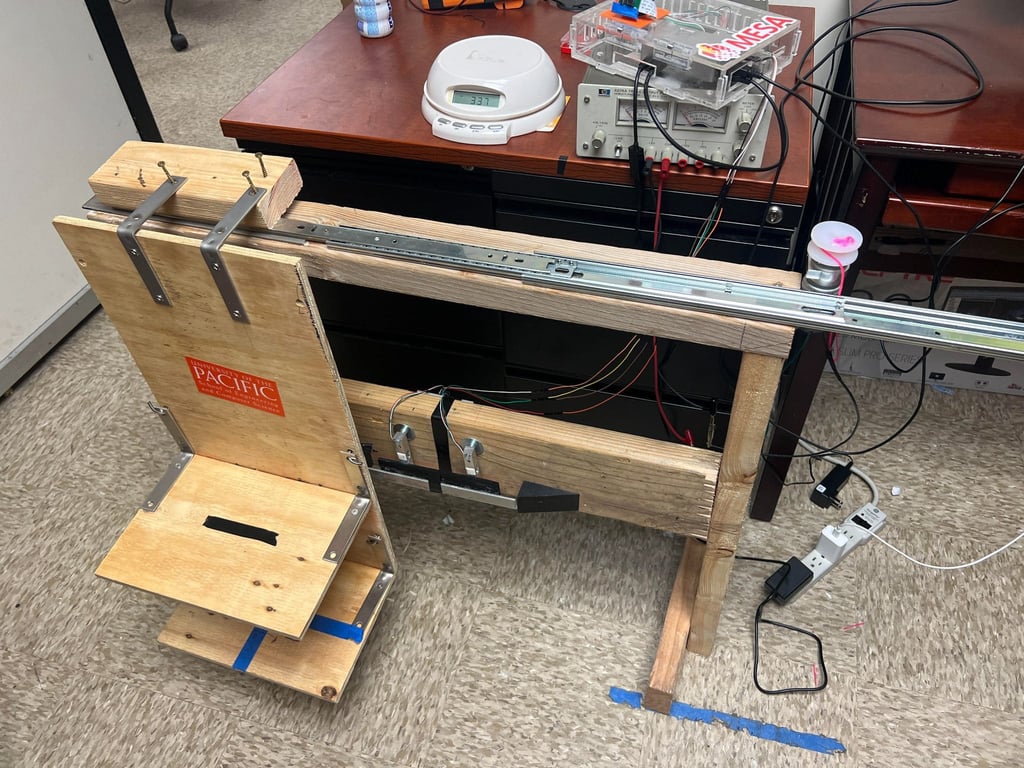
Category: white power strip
<point>835,543</point>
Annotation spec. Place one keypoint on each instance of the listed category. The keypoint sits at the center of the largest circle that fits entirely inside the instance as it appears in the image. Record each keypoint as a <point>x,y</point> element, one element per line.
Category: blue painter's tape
<point>680,711</point>
<point>252,644</point>
<point>337,628</point>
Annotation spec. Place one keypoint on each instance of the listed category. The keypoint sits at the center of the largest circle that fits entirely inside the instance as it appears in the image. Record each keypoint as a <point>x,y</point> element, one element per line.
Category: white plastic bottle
<point>373,18</point>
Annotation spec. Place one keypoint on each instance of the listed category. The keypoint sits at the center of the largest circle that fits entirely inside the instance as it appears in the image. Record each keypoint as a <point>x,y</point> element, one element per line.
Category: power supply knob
<point>744,121</point>
<point>598,139</point>
<point>716,156</point>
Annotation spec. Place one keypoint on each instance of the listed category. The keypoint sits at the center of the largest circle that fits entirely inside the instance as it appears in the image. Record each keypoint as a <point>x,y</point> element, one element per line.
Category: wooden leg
<point>661,688</point>
<point>755,395</point>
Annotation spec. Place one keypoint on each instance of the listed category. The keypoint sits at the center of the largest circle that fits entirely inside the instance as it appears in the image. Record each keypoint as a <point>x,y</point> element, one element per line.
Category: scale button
<point>458,125</point>
<point>443,120</point>
<point>496,127</point>
<point>476,127</point>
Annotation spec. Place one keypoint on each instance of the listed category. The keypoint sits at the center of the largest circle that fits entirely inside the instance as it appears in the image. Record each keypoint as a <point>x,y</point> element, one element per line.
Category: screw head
<point>773,215</point>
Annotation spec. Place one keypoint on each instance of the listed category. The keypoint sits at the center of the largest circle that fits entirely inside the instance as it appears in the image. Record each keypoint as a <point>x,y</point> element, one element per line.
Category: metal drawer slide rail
<point>772,304</point>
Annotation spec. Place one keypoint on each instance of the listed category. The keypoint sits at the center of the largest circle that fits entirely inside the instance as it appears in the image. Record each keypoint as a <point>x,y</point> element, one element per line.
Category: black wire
<point>835,451</point>
<point>864,159</point>
<point>758,621</point>
<point>947,256</point>
<point>804,78</point>
<point>975,72</point>
<point>920,360</point>
<point>769,560</point>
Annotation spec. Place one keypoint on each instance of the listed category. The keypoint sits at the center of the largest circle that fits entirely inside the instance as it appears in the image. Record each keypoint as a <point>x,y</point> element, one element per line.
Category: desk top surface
<point>347,93</point>
<point>905,65</point>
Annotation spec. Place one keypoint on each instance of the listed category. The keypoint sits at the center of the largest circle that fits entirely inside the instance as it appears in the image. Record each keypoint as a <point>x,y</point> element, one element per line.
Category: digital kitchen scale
<point>487,89</point>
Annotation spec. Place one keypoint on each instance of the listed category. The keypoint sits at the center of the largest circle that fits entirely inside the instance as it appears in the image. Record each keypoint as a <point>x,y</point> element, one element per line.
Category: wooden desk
<point>345,93</point>
<point>951,163</point>
<point>347,109</point>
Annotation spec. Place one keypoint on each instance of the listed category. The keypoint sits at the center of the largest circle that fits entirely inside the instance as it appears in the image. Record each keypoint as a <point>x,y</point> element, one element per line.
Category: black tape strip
<point>432,476</point>
<point>236,528</point>
<point>472,482</point>
<point>561,164</point>
<point>441,445</point>
<point>534,497</point>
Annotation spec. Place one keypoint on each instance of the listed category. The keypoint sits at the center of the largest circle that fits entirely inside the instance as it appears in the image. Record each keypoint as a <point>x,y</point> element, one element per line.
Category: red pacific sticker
<point>236,386</point>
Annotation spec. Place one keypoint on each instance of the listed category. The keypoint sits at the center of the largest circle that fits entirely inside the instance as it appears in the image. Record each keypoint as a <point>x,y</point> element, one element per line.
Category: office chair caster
<point>179,41</point>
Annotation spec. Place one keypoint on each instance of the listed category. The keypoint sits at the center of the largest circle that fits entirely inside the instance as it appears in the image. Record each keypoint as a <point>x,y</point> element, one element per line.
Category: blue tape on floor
<point>252,644</point>
<point>337,628</point>
<point>680,711</point>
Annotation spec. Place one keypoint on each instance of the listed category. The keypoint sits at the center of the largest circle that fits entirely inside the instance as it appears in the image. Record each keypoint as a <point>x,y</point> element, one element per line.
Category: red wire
<point>657,208</point>
<point>684,439</point>
<point>842,282</point>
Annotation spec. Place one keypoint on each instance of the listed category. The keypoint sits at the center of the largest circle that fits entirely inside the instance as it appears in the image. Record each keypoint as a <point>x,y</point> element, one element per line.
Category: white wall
<point>827,12</point>
<point>63,115</point>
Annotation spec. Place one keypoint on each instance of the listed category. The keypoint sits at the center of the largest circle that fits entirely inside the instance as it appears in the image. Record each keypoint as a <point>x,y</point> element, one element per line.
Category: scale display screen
<point>477,99</point>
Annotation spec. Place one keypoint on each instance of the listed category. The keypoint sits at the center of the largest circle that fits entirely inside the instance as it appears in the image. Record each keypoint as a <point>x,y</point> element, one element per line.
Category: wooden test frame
<point>699,493</point>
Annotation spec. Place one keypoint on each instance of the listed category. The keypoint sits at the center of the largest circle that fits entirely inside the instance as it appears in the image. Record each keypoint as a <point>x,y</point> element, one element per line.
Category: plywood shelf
<point>319,664</point>
<point>181,550</point>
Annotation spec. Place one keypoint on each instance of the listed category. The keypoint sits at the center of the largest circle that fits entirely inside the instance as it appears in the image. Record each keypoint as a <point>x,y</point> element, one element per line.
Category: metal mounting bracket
<point>129,228</point>
<point>471,448</point>
<point>403,434</point>
<point>346,532</point>
<point>211,245</point>
<point>377,592</point>
<point>172,426</point>
<point>170,476</point>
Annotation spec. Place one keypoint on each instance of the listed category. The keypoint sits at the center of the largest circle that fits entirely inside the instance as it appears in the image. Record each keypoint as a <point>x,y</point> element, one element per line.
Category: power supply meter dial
<point>696,116</point>
<point>643,115</point>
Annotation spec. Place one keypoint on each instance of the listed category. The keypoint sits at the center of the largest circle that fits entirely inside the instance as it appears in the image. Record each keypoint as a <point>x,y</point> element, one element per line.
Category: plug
<point>826,493</point>
<point>636,163</point>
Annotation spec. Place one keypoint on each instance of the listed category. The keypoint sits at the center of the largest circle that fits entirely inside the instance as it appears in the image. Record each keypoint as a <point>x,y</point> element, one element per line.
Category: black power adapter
<point>826,493</point>
<point>788,580</point>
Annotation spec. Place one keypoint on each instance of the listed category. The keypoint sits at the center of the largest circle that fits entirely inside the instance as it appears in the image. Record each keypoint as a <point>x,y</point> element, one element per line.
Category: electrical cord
<point>855,471</point>
<point>959,567</point>
<point>954,101</point>
<point>758,621</point>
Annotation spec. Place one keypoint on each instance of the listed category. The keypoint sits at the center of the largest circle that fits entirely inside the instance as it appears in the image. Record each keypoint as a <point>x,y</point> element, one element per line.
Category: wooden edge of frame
<point>668,662</point>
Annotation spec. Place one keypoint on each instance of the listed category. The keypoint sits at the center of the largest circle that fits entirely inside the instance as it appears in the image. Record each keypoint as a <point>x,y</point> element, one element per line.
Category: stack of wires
<point>613,379</point>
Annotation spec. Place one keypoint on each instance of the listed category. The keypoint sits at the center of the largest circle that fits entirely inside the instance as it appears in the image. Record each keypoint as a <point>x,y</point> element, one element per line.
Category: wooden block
<point>636,479</point>
<point>669,661</point>
<point>320,664</point>
<point>215,181</point>
<point>174,552</point>
<point>755,395</point>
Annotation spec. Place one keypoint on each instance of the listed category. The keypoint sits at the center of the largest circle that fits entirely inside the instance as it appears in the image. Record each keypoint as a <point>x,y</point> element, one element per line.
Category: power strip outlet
<point>835,543</point>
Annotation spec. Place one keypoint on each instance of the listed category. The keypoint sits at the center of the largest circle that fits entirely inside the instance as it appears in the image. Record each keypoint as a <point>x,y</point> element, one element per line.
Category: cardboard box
<point>986,298</point>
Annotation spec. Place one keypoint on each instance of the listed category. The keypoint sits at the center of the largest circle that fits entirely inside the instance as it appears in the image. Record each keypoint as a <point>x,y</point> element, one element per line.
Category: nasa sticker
<point>748,37</point>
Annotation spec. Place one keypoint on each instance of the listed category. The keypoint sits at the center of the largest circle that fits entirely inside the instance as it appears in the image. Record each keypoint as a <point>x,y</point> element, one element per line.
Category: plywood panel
<point>172,552</point>
<point>264,394</point>
<point>319,664</point>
